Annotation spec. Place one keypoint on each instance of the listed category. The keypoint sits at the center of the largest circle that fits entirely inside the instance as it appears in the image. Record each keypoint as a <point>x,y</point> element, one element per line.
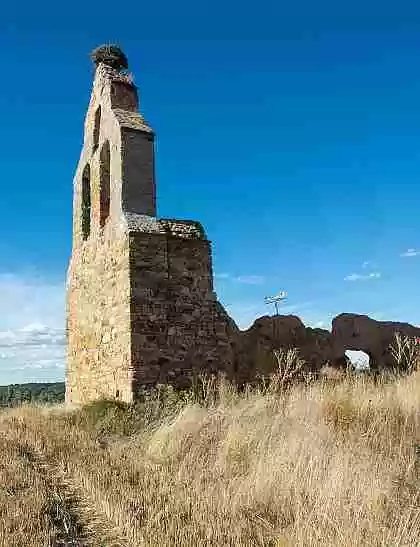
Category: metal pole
<point>276,300</point>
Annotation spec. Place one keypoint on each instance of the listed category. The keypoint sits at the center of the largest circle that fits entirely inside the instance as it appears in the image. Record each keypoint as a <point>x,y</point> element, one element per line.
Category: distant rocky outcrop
<point>360,332</point>
<point>253,348</point>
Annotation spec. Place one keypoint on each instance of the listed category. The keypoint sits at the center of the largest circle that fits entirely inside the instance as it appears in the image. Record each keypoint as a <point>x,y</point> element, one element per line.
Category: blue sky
<point>290,130</point>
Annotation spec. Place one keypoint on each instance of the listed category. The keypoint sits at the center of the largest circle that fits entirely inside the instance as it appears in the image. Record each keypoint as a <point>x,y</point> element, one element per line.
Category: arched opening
<point>97,128</point>
<point>105,183</point>
<point>86,202</point>
<point>359,359</point>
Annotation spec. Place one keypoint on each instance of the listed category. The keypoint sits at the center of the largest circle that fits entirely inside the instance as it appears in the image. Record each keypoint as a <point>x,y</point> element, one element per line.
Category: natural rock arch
<point>358,358</point>
<point>360,332</point>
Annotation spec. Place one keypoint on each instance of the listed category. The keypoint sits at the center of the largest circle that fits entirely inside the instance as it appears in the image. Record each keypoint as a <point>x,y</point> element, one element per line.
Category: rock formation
<point>360,332</point>
<point>253,348</point>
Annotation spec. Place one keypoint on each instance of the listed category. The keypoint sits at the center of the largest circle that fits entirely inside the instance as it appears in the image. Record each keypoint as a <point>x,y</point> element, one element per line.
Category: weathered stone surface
<point>140,298</point>
<point>254,347</point>
<point>174,306</point>
<point>360,332</point>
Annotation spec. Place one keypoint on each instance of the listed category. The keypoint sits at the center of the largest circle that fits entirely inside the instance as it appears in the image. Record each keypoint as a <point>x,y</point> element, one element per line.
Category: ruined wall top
<point>183,229</point>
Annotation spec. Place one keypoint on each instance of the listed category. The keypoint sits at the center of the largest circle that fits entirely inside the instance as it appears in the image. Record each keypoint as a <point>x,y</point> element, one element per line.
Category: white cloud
<point>362,277</point>
<point>222,275</point>
<point>32,336</point>
<point>366,264</point>
<point>245,279</point>
<point>410,253</point>
<point>250,279</point>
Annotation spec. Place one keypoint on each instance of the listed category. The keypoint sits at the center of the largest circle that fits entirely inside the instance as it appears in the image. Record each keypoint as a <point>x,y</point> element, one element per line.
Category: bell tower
<point>118,151</point>
<point>140,302</point>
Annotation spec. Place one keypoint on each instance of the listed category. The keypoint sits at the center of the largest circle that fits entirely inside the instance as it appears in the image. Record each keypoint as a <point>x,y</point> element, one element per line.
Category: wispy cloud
<point>222,275</point>
<point>250,279</point>
<point>362,277</point>
<point>32,338</point>
<point>410,252</point>
<point>245,279</point>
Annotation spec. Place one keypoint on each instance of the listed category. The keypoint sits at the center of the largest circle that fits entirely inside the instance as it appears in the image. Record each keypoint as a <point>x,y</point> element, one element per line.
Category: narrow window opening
<point>105,183</point>
<point>117,394</point>
<point>86,203</point>
<point>97,128</point>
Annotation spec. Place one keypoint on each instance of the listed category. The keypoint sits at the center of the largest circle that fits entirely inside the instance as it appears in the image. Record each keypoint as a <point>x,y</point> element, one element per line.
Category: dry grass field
<point>330,462</point>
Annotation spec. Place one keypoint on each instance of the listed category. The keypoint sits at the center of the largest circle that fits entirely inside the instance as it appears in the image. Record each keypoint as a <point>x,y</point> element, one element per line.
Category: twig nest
<point>110,55</point>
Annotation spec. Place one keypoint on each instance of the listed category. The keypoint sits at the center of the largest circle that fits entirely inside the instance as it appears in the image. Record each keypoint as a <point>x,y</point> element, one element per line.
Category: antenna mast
<point>276,300</point>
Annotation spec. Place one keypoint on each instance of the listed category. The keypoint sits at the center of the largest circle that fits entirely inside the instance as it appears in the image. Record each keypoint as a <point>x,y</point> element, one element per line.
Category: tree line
<point>17,394</point>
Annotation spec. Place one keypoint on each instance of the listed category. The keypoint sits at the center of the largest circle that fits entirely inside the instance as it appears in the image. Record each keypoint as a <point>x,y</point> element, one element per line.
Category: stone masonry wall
<point>140,302</point>
<point>98,281</point>
<point>138,192</point>
<point>178,328</point>
<point>98,323</point>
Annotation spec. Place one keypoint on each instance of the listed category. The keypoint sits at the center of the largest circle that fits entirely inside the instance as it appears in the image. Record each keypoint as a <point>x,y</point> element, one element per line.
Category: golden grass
<point>328,463</point>
<point>22,494</point>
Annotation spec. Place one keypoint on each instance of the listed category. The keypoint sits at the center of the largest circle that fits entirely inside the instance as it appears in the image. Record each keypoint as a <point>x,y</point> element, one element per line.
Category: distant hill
<point>16,394</point>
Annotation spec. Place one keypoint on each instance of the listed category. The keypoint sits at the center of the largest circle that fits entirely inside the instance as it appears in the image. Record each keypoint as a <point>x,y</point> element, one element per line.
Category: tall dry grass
<point>25,500</point>
<point>323,463</point>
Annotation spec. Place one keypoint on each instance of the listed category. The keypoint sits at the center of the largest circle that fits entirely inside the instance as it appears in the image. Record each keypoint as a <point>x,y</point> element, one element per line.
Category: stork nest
<point>110,55</point>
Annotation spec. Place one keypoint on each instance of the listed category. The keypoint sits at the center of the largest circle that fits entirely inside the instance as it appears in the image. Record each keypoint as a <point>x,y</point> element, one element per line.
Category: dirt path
<point>75,522</point>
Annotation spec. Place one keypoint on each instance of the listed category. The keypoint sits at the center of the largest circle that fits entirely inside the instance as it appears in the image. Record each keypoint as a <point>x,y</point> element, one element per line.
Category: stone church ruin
<point>141,308</point>
<point>140,302</point>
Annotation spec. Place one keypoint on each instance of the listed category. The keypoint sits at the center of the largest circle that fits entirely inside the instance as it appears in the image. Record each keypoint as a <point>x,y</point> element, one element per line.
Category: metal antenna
<point>276,300</point>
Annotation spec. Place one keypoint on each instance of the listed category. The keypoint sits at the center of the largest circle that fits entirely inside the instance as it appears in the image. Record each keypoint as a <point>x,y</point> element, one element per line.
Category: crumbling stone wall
<point>177,327</point>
